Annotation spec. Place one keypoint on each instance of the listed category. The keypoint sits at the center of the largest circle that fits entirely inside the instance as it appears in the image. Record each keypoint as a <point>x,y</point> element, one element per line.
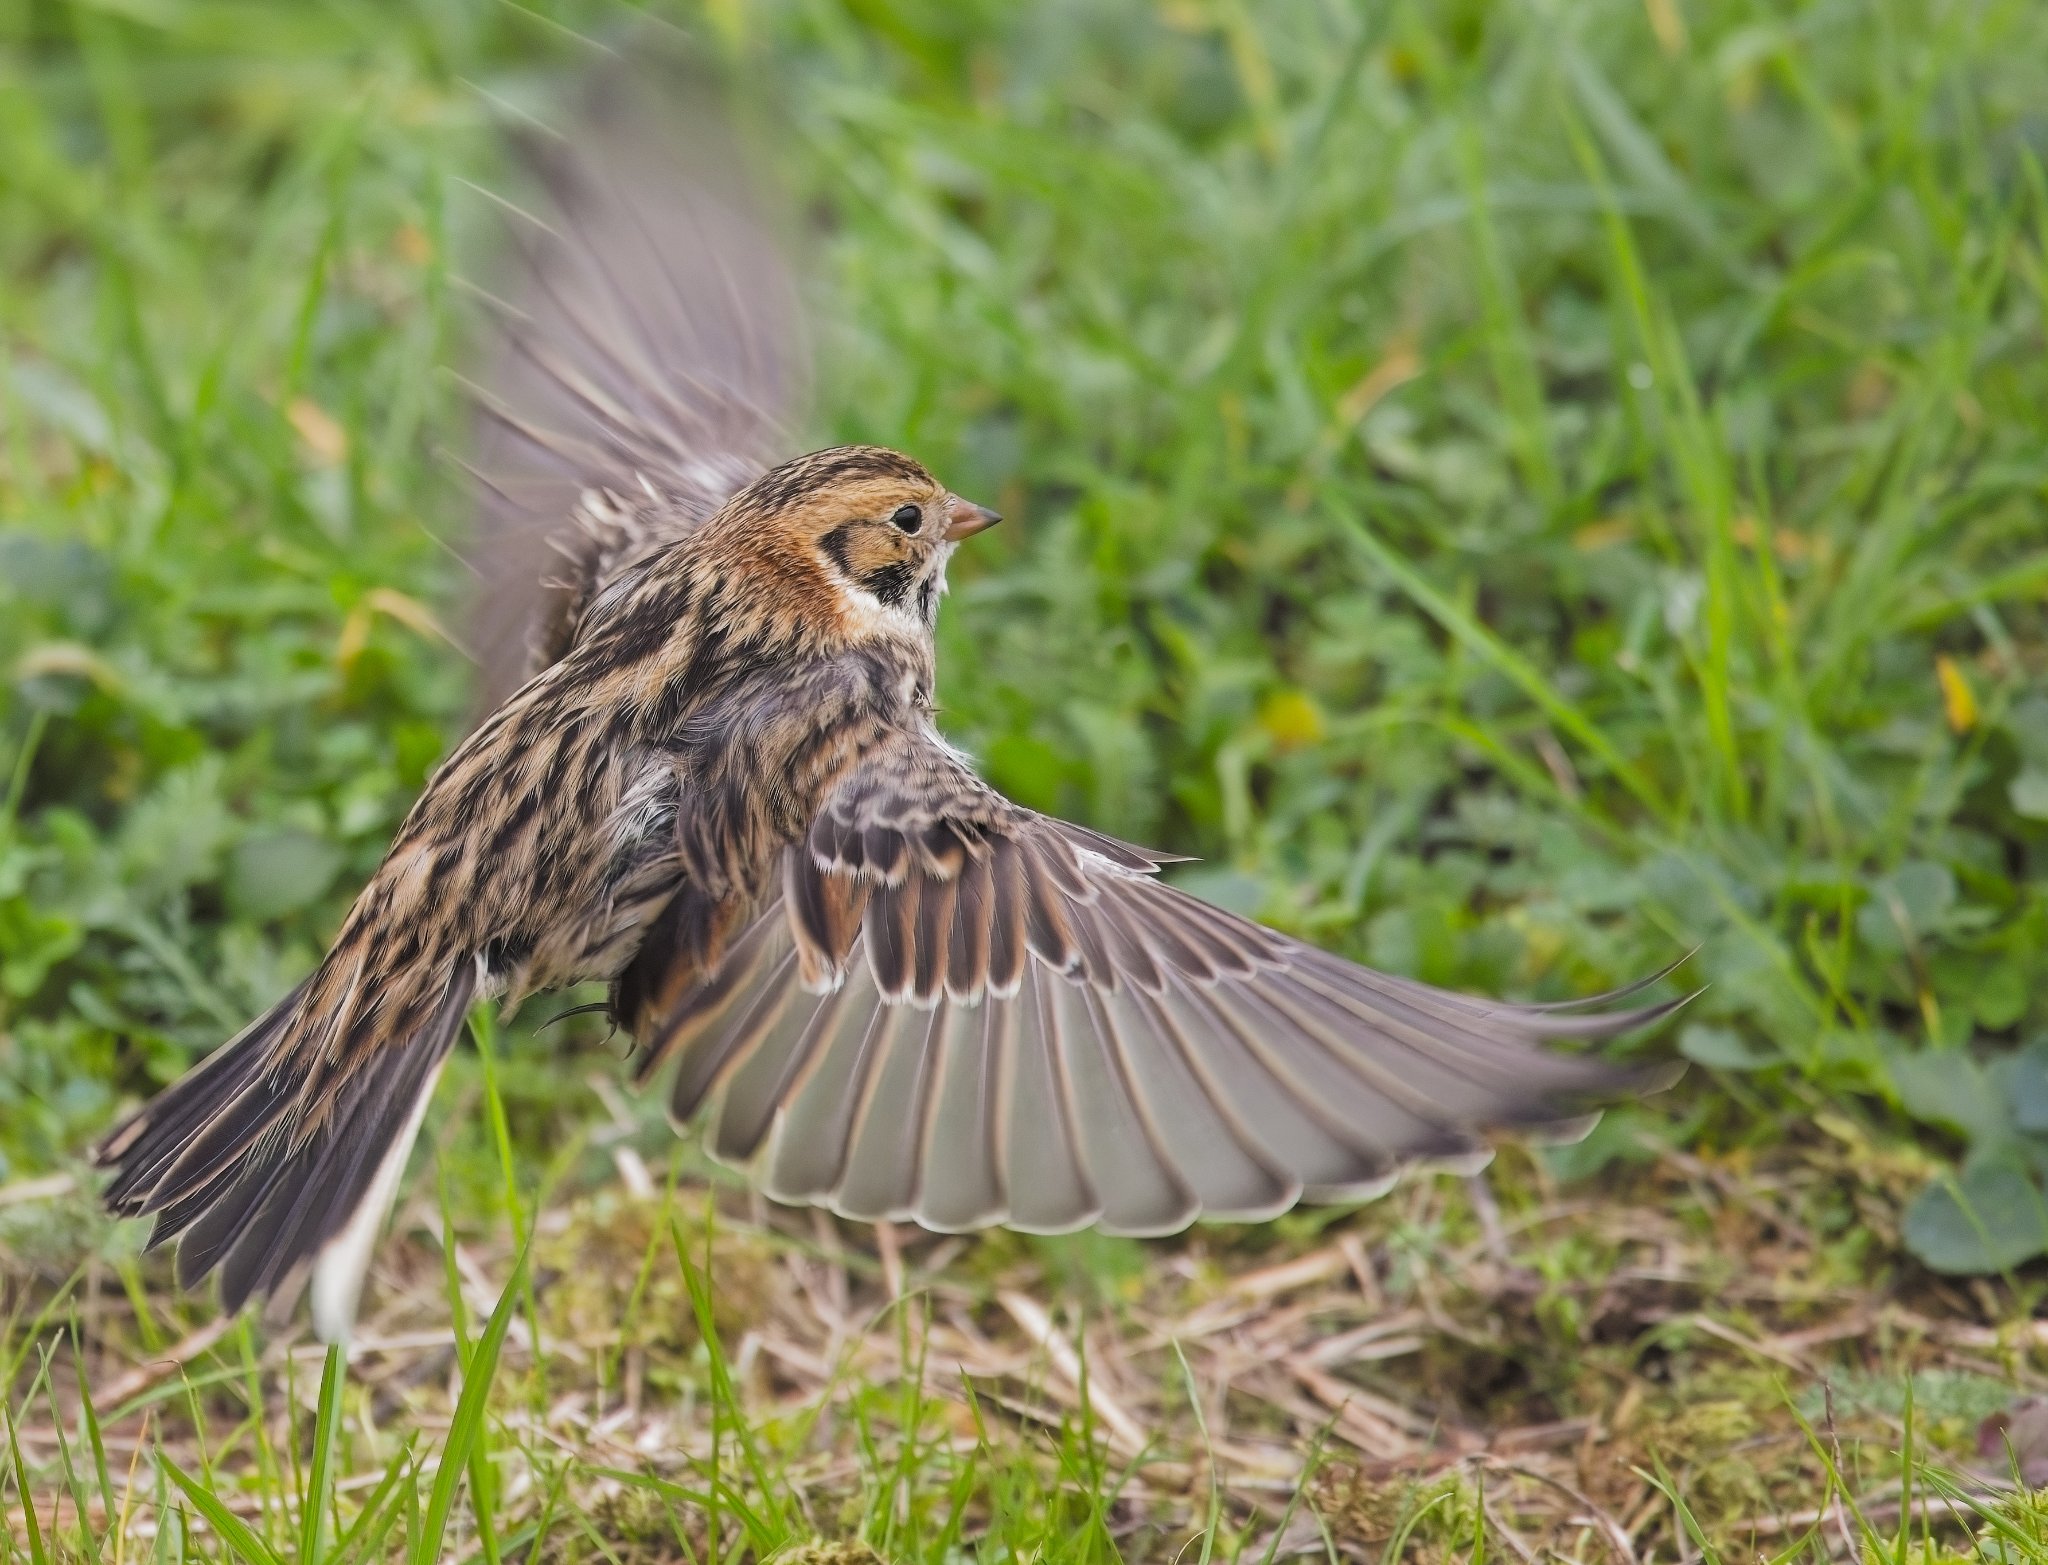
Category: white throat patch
<point>868,614</point>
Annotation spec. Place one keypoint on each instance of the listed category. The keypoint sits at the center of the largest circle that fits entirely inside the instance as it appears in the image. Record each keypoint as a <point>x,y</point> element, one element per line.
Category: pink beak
<point>964,519</point>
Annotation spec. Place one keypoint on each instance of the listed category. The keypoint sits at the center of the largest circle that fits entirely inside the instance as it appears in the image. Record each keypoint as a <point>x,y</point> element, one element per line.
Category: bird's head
<point>872,523</point>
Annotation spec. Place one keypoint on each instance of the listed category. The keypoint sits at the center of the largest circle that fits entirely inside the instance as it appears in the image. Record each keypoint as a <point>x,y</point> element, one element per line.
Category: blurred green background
<point>1523,490</point>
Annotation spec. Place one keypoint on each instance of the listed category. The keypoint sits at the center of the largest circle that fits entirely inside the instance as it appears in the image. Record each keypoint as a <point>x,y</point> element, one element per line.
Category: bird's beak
<point>964,519</point>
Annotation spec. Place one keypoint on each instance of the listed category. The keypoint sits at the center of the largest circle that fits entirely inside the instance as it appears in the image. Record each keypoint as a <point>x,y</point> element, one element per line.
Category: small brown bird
<point>723,792</point>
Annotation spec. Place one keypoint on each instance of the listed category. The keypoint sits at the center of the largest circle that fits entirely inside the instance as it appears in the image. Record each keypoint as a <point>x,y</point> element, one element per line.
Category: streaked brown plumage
<point>723,792</point>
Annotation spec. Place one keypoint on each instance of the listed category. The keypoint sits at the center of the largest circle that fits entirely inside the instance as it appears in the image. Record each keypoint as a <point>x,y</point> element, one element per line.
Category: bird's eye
<point>908,517</point>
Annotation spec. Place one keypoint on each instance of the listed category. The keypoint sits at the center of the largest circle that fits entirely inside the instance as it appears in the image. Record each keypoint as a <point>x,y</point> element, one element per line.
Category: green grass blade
<point>482,1475</point>
<point>1503,658</point>
<point>636,1297</point>
<point>1212,1505</point>
<point>1666,1485</point>
<point>1299,1491</point>
<point>1412,1517</point>
<point>483,1027</point>
<point>233,1531</point>
<point>1507,338</point>
<point>1700,461</point>
<point>272,1483</point>
<point>74,1481</point>
<point>89,1421</point>
<point>31,1523</point>
<point>465,1428</point>
<point>727,1412</point>
<point>313,1518</point>
<point>365,1537</point>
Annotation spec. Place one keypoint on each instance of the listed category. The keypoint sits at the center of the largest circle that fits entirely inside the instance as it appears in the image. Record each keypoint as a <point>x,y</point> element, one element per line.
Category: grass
<point>1523,491</point>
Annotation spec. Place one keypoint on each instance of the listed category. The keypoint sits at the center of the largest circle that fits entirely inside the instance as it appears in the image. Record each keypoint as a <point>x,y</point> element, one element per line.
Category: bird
<point>712,778</point>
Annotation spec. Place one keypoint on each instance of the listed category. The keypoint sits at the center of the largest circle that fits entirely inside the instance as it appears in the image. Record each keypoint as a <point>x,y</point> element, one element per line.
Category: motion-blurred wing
<point>648,361</point>
<point>962,1013</point>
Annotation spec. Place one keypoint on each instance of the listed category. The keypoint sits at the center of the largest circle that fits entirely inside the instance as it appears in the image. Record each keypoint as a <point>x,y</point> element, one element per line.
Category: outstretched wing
<point>648,359</point>
<point>960,1012</point>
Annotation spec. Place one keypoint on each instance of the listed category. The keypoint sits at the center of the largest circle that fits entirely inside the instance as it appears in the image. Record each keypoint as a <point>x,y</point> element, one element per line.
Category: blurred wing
<point>648,360</point>
<point>960,1012</point>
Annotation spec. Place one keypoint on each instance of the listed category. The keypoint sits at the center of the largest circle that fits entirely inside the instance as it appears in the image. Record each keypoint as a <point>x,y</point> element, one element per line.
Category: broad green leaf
<point>278,872</point>
<point>1723,1048</point>
<point>1989,1218</point>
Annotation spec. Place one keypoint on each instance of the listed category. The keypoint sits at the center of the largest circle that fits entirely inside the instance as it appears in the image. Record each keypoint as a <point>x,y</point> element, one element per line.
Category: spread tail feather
<point>273,1185</point>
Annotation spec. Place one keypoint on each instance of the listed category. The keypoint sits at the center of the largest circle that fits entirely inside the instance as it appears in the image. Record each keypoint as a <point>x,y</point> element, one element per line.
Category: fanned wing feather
<point>1045,1181</point>
<point>648,358</point>
<point>1227,1173</point>
<point>963,1180</point>
<point>807,1157</point>
<point>962,1012</point>
<point>1141,1192</point>
<point>885,1158</point>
